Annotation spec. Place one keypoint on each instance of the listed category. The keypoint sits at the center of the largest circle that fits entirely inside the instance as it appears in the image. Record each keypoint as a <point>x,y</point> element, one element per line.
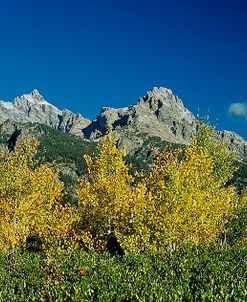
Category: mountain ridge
<point>34,108</point>
<point>160,113</point>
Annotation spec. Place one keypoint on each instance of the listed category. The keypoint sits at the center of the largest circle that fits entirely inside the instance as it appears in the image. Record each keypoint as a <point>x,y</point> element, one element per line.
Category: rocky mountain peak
<point>32,107</point>
<point>35,92</point>
<point>159,93</point>
<point>163,102</point>
<point>37,97</point>
<point>159,113</point>
<point>33,99</point>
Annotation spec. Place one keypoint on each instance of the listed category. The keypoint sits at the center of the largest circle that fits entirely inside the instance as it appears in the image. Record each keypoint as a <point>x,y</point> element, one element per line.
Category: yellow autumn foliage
<point>223,160</point>
<point>243,205</point>
<point>103,194</point>
<point>191,205</point>
<point>30,196</point>
<point>182,199</point>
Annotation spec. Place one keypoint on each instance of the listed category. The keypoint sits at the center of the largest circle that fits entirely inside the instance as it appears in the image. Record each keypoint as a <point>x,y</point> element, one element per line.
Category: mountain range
<point>159,114</point>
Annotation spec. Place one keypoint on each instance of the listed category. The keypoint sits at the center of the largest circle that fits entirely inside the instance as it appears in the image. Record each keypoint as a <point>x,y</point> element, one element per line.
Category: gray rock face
<point>160,113</point>
<point>235,142</point>
<point>35,109</point>
<point>73,123</point>
<point>9,127</point>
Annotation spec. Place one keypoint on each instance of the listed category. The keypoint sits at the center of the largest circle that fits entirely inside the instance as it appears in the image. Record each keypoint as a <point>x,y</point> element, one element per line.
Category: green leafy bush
<point>192,274</point>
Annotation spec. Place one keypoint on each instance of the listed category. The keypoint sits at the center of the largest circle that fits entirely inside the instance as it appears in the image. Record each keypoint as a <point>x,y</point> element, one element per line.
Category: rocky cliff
<point>159,114</point>
<point>33,108</point>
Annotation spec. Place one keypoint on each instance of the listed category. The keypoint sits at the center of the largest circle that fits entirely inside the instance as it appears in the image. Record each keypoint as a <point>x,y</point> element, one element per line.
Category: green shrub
<point>190,274</point>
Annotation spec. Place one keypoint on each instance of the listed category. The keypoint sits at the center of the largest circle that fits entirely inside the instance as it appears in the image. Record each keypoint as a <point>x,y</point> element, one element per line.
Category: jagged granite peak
<point>36,93</point>
<point>32,107</point>
<point>73,123</point>
<point>160,113</point>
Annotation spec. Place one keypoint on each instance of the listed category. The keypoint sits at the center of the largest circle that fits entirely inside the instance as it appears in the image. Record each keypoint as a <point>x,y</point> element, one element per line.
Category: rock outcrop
<point>159,114</point>
<point>235,142</point>
<point>33,108</point>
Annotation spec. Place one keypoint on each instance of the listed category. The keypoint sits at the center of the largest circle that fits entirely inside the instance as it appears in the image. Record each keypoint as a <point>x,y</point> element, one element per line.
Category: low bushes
<point>191,274</point>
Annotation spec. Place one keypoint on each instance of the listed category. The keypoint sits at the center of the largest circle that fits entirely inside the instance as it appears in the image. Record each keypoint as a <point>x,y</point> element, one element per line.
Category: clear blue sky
<point>83,55</point>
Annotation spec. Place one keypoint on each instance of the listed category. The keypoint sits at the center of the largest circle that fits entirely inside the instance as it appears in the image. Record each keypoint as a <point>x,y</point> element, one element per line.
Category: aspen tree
<point>30,194</point>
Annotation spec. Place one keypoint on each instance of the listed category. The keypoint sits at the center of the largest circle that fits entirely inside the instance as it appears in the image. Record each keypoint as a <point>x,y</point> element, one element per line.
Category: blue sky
<point>83,55</point>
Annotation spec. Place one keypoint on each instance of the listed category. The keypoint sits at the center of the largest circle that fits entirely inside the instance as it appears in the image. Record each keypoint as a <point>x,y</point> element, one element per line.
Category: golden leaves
<point>190,201</point>
<point>181,200</point>
<point>29,197</point>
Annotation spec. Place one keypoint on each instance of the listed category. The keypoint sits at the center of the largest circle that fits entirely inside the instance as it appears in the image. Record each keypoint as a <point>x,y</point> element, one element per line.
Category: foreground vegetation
<point>192,274</point>
<point>174,232</point>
